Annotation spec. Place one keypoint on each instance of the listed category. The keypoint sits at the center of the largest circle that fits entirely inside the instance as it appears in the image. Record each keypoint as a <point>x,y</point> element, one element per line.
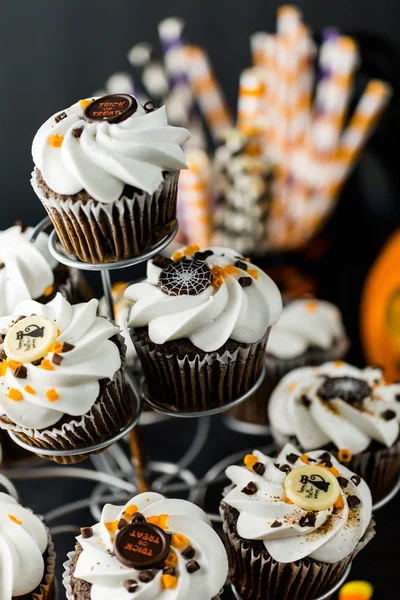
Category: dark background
<point>53,53</point>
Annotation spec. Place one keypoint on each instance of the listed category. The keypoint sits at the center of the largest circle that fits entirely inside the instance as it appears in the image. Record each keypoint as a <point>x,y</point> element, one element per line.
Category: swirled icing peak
<point>336,403</point>
<point>23,541</point>
<point>207,296</point>
<point>193,559</point>
<point>90,146</point>
<point>53,359</point>
<point>303,324</point>
<point>26,268</point>
<point>300,505</point>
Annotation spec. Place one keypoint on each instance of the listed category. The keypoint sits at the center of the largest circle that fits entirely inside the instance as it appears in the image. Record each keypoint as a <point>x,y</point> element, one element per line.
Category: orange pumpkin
<point>380,310</point>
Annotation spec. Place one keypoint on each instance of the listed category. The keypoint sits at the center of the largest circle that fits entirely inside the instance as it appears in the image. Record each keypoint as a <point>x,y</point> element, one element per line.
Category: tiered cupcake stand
<point>118,477</point>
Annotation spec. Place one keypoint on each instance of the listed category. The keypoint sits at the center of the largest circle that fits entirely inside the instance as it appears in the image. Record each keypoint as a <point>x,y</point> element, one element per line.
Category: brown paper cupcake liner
<point>257,576</point>
<point>207,380</point>
<point>47,589</point>
<point>100,233</point>
<point>68,571</point>
<point>380,468</point>
<point>255,409</point>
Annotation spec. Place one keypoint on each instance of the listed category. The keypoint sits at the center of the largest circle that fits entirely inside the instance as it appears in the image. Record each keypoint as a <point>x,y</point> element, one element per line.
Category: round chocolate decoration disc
<point>185,277</point>
<point>349,389</point>
<point>30,339</point>
<point>113,108</point>
<point>312,487</point>
<point>141,545</point>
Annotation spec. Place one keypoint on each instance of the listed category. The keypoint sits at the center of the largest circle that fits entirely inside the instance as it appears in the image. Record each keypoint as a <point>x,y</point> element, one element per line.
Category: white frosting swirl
<point>28,267</point>
<point>23,541</point>
<point>346,424</point>
<point>99,566</point>
<point>303,324</point>
<point>76,379</point>
<point>108,156</point>
<point>334,535</point>
<point>213,316</point>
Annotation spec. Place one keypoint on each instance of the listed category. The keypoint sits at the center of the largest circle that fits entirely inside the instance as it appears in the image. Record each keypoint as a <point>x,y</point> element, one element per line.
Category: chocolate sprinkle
<point>21,225</point>
<point>131,586</point>
<point>342,481</point>
<point>241,265</point>
<point>122,523</point>
<point>308,520</point>
<point>77,132</point>
<point>67,347</point>
<point>305,401</point>
<point>170,571</point>
<point>388,415</point>
<point>245,281</point>
<point>259,468</point>
<point>356,479</point>
<point>351,390</point>
<point>60,117</point>
<point>138,518</point>
<point>21,372</point>
<point>149,106</point>
<point>146,576</point>
<point>86,532</point>
<point>250,489</point>
<point>276,524</point>
<point>2,265</point>
<point>38,362</point>
<point>353,501</point>
<point>189,552</point>
<point>283,468</point>
<point>57,359</point>
<point>186,277</point>
<point>202,255</point>
<point>292,458</point>
<point>161,261</point>
<point>192,566</point>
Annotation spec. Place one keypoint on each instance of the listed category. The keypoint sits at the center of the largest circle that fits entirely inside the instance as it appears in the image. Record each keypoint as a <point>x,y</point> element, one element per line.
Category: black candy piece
<point>308,520</point>
<point>86,532</point>
<point>342,481</point>
<point>353,501</point>
<point>388,415</point>
<point>161,261</point>
<point>259,468</point>
<point>137,517</point>
<point>146,576</point>
<point>349,389</point>
<point>292,458</point>
<point>276,524</point>
<point>21,372</point>
<point>250,489</point>
<point>356,479</point>
<point>245,281</point>
<point>131,586</point>
<point>189,552</point>
<point>192,566</point>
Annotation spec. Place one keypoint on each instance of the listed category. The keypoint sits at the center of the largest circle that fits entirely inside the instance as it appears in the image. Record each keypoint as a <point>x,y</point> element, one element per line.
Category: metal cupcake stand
<point>116,476</point>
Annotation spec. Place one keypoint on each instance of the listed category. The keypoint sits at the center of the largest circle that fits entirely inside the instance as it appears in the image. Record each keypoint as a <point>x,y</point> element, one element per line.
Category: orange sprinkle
<point>338,363</point>
<point>15,395</point>
<point>339,502</point>
<point>169,581</point>
<point>56,140</point>
<point>52,395</point>
<point>13,364</point>
<point>344,455</point>
<point>253,273</point>
<point>112,526</point>
<point>334,471</point>
<point>287,501</point>
<point>171,560</point>
<point>131,509</point>
<point>56,348</point>
<point>160,521</point>
<point>14,520</point>
<point>250,460</point>
<point>189,250</point>
<point>304,458</point>
<point>312,306</point>
<point>29,389</point>
<point>292,387</point>
<point>230,269</point>
<point>177,255</point>
<point>58,332</point>
<point>179,540</point>
<point>217,282</point>
<point>3,368</point>
<point>48,291</point>
<point>85,103</point>
<point>247,259</point>
<point>46,365</point>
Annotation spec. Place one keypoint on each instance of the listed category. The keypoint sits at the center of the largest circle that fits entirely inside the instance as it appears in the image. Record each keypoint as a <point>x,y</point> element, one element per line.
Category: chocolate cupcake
<point>27,554</point>
<point>153,547</point>
<point>107,172</point>
<point>293,524</point>
<point>62,377</point>
<point>309,332</point>
<point>350,412</point>
<point>200,323</point>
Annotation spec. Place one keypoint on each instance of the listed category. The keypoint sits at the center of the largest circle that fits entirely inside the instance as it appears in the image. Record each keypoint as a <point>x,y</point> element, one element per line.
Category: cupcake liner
<point>380,468</point>
<point>258,577</point>
<point>66,579</point>
<point>47,589</point>
<point>75,289</point>
<point>196,384</point>
<point>255,410</point>
<point>96,232</point>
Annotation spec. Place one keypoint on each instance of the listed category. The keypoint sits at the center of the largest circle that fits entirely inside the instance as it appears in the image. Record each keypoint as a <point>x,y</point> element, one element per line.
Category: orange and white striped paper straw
<point>289,17</point>
<point>207,91</point>
<point>250,106</point>
<point>195,198</point>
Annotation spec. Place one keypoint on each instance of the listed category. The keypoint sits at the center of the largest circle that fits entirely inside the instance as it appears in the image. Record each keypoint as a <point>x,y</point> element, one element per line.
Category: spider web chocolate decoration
<point>185,277</point>
<point>349,389</point>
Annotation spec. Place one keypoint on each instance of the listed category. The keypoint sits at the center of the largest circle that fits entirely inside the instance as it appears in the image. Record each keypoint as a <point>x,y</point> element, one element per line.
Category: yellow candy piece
<point>179,540</point>
<point>312,488</point>
<point>30,339</point>
<point>356,590</point>
<point>169,581</point>
<point>250,460</point>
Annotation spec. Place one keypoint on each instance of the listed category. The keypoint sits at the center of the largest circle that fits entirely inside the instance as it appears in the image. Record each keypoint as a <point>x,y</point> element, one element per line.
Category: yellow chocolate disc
<point>30,339</point>
<point>312,488</point>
